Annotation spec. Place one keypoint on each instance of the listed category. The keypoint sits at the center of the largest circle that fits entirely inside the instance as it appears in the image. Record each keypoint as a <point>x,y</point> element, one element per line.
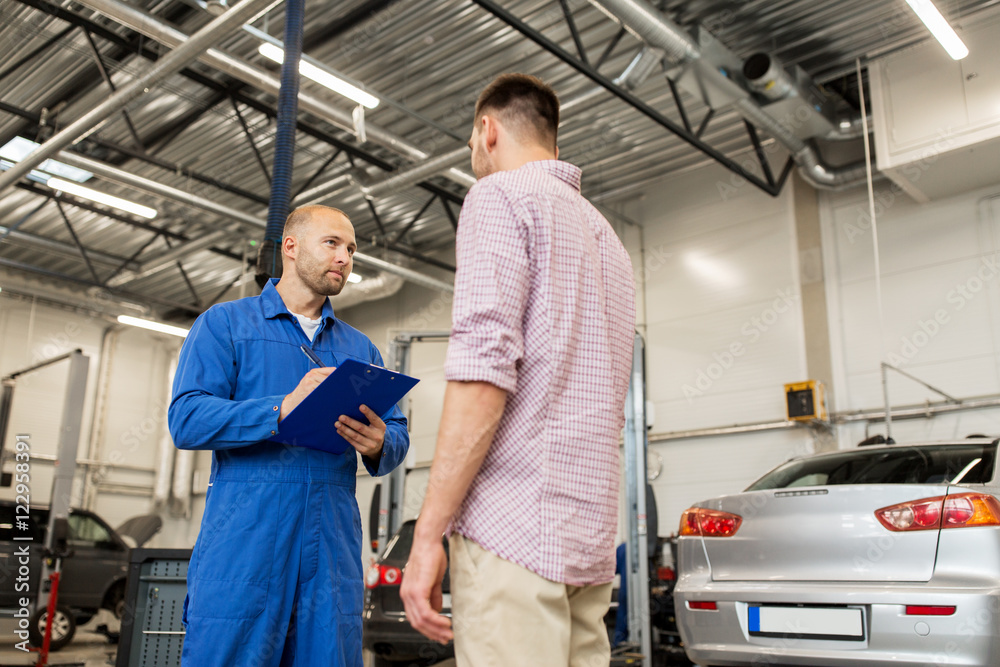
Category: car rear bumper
<point>390,636</point>
<point>970,636</point>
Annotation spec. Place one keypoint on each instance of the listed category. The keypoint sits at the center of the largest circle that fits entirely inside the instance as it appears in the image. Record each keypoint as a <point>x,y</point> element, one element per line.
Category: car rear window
<point>399,545</point>
<point>926,464</point>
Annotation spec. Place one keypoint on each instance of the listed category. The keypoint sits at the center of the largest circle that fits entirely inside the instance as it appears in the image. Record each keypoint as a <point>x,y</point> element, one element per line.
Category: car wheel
<point>63,628</point>
<point>115,600</point>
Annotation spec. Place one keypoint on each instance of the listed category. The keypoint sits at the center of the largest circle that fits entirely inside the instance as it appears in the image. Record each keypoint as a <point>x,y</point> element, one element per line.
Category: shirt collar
<point>564,171</point>
<point>273,305</point>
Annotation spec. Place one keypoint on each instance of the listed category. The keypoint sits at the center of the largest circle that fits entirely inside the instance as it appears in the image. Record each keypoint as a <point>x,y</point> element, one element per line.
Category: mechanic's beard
<point>314,277</point>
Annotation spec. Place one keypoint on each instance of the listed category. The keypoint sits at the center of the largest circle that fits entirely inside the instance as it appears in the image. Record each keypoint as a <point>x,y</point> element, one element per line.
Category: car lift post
<point>637,545</point>
<point>391,504</point>
<point>65,464</point>
<point>62,479</point>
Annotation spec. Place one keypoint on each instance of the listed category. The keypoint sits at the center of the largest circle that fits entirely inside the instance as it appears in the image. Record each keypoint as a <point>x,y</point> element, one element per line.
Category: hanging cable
<point>269,257</point>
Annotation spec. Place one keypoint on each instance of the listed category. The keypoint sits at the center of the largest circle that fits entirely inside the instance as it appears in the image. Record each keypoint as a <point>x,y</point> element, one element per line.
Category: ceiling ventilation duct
<point>381,286</point>
<point>790,96</point>
<point>707,69</point>
<point>93,300</point>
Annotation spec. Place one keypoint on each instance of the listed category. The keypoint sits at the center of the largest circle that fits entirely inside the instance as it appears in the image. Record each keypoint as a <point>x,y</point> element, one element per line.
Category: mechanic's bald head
<point>301,218</point>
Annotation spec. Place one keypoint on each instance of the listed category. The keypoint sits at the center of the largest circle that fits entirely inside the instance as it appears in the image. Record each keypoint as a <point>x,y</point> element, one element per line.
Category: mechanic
<point>275,577</point>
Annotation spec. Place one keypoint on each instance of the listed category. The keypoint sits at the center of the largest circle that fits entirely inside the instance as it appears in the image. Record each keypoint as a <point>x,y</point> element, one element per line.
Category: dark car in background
<point>93,575</point>
<point>387,634</point>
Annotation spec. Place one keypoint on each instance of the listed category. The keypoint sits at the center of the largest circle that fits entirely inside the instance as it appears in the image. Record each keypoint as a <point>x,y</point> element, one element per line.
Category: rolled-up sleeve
<point>202,414</point>
<point>491,290</point>
<point>397,437</point>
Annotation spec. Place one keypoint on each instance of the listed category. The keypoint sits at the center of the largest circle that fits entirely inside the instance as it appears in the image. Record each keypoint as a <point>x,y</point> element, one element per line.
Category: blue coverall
<point>275,577</point>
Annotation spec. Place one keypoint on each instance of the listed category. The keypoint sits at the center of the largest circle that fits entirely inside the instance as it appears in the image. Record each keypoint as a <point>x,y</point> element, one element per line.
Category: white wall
<point>940,315</point>
<point>724,331</point>
<point>124,433</point>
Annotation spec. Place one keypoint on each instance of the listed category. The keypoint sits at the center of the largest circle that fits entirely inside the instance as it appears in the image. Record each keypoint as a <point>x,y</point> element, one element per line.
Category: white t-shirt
<point>309,326</point>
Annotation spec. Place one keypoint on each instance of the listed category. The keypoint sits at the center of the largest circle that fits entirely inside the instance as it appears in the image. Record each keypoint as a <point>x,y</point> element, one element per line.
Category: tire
<point>63,628</point>
<point>115,600</point>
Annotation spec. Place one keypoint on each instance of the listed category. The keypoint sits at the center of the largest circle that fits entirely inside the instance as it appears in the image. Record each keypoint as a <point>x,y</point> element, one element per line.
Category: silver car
<point>885,555</point>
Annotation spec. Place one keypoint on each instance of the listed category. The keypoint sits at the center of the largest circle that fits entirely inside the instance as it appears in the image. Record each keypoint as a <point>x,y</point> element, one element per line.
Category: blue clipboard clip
<point>343,392</point>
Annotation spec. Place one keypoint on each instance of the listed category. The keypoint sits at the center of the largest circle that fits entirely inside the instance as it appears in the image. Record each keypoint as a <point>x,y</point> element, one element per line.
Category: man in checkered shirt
<point>525,474</point>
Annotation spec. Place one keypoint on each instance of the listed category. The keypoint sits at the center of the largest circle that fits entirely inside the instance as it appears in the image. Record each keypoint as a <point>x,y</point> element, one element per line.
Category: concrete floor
<point>88,648</point>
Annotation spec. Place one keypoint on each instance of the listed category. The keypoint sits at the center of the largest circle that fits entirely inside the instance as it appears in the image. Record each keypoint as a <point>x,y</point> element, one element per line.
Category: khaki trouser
<point>507,616</point>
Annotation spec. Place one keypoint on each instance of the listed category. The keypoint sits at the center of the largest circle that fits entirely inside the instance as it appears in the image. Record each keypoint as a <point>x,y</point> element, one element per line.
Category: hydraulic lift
<point>55,546</point>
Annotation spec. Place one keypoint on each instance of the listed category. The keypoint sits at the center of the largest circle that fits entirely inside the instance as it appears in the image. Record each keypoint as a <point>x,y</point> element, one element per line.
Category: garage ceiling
<point>205,133</point>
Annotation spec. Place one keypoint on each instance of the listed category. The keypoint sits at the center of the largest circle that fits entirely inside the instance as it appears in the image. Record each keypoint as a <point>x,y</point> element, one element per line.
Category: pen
<point>312,355</point>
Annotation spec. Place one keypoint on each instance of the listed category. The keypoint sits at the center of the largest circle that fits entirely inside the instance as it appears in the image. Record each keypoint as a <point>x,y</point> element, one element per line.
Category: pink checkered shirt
<point>545,309</point>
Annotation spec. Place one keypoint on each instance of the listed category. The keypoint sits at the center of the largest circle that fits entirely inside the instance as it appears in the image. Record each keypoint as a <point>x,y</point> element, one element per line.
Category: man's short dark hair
<point>298,218</point>
<point>526,103</point>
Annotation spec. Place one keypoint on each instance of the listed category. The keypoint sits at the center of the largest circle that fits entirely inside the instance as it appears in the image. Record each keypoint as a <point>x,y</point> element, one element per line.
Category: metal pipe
<point>416,173</point>
<point>637,545</point>
<point>634,73</point>
<point>154,28</point>
<point>848,126</point>
<point>126,178</point>
<point>43,364</point>
<point>647,24</point>
<point>888,407</point>
<point>724,430</point>
<point>173,62</point>
<point>16,236</point>
<point>319,64</point>
<point>165,445</point>
<point>924,411</point>
<point>766,76</point>
<point>887,366</point>
<point>323,191</point>
<point>99,412</point>
<point>91,463</point>
<point>919,411</point>
<point>652,27</point>
<point>167,258</point>
<point>412,276</point>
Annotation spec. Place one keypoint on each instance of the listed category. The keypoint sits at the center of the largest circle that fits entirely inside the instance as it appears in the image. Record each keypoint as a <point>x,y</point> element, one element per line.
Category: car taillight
<point>383,575</point>
<point>702,605</point>
<point>957,511</point>
<point>709,523</point>
<point>971,509</point>
<point>391,576</point>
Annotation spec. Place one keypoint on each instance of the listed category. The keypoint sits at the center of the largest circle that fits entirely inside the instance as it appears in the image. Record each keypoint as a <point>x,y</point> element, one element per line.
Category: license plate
<point>836,623</point>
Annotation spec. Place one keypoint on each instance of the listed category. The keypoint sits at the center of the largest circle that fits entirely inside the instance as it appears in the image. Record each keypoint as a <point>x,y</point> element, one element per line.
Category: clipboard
<point>343,392</point>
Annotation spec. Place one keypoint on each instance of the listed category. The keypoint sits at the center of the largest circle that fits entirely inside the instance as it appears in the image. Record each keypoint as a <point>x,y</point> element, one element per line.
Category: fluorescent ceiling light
<point>17,148</point>
<point>310,71</point>
<point>940,28</point>
<point>102,198</point>
<point>354,278</point>
<point>153,326</point>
